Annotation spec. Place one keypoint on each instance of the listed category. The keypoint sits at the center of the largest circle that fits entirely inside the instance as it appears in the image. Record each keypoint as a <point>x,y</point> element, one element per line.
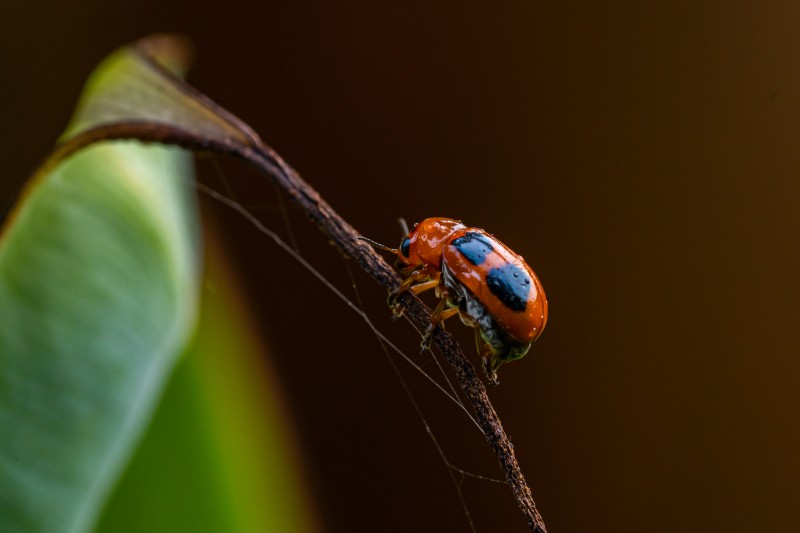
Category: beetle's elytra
<point>479,278</point>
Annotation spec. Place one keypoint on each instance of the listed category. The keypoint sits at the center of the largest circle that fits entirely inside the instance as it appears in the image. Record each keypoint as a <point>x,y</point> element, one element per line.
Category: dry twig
<point>343,235</point>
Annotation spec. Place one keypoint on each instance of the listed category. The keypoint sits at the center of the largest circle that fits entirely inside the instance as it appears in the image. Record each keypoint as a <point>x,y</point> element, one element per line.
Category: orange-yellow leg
<point>439,315</point>
<point>426,282</point>
<point>425,285</point>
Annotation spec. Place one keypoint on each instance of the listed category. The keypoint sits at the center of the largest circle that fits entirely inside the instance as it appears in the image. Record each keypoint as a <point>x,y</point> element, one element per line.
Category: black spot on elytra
<point>511,285</point>
<point>474,246</point>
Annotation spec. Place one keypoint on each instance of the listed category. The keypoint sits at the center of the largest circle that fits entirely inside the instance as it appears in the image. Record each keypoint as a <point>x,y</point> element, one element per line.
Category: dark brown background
<point>642,156</point>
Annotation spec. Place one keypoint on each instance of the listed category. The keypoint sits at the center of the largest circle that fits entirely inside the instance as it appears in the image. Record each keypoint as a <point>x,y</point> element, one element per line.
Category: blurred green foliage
<point>97,298</point>
<point>99,285</point>
<point>219,454</point>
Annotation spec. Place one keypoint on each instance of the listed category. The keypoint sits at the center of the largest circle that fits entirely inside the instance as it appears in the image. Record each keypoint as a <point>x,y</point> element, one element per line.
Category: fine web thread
<point>451,466</point>
<point>456,474</point>
<point>281,243</point>
<point>451,470</point>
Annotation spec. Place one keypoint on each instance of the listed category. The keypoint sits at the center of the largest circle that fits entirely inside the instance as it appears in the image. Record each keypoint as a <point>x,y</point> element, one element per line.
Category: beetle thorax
<point>427,239</point>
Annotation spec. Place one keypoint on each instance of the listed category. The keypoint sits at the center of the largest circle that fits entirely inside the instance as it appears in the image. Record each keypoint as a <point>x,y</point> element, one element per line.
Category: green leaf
<point>219,455</point>
<point>98,289</point>
<point>98,293</point>
<point>138,84</point>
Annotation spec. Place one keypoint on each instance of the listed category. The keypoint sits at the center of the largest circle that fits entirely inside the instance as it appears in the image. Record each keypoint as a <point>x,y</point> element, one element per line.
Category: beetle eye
<point>405,247</point>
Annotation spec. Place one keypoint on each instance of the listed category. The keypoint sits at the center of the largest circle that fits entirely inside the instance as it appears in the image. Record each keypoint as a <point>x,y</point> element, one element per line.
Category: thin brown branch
<point>346,239</point>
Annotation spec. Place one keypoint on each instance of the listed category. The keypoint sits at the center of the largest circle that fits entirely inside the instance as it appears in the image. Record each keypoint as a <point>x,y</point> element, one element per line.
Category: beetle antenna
<point>403,225</point>
<point>378,245</point>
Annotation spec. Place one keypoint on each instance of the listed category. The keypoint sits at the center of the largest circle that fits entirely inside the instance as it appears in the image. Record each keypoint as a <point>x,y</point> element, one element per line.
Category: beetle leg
<point>490,362</point>
<point>394,296</point>
<point>425,285</point>
<point>439,315</point>
<point>426,282</point>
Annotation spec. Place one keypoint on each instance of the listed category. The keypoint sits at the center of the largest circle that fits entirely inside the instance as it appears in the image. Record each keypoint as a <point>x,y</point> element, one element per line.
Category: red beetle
<point>490,287</point>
